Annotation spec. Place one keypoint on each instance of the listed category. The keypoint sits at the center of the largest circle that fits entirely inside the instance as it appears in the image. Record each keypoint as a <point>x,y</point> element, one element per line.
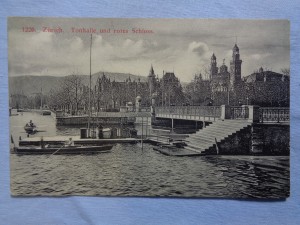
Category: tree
<point>198,91</point>
<point>285,71</point>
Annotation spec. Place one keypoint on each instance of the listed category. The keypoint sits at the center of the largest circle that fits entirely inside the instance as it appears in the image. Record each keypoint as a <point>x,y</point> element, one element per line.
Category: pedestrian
<point>100,131</point>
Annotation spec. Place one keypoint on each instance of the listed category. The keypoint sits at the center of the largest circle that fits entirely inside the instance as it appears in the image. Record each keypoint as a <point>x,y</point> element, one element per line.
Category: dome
<point>223,68</point>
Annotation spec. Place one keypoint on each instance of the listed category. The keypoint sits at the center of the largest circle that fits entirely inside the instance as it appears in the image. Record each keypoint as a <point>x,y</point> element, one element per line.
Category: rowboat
<point>30,128</point>
<point>46,112</point>
<point>55,149</point>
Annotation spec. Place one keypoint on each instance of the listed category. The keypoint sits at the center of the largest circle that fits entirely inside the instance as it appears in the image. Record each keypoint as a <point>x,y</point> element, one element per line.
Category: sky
<point>184,46</point>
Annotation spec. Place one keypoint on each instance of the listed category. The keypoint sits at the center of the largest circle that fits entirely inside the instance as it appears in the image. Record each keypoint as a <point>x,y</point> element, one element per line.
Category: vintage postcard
<point>149,107</point>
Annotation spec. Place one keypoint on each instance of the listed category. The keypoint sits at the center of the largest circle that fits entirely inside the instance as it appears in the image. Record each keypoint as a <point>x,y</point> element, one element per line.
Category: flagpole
<point>89,119</point>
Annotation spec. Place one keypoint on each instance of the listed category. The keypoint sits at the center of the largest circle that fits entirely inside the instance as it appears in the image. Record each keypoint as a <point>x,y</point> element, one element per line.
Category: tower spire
<point>151,72</point>
<point>235,65</point>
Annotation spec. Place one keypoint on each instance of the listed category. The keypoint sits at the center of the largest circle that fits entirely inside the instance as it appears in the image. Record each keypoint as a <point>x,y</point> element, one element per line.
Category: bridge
<point>250,113</point>
<point>226,122</point>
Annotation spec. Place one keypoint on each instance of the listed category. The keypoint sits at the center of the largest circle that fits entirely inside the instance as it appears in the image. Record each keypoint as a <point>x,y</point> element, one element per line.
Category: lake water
<point>129,170</point>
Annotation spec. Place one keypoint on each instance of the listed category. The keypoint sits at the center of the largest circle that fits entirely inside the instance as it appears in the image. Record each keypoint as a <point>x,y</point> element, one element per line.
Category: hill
<point>30,85</point>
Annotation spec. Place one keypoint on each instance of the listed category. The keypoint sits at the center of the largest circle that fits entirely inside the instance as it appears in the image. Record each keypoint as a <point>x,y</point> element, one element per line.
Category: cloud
<point>183,45</point>
<point>259,56</point>
<point>199,48</point>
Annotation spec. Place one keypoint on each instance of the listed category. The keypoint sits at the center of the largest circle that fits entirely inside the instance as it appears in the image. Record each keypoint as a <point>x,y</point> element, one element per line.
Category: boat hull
<point>32,150</point>
<point>46,113</point>
<point>30,129</point>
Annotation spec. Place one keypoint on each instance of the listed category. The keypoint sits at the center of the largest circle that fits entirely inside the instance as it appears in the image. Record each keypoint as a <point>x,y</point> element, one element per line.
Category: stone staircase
<point>204,139</point>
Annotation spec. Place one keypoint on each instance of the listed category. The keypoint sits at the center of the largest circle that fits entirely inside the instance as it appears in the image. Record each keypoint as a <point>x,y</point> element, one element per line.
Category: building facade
<point>265,88</point>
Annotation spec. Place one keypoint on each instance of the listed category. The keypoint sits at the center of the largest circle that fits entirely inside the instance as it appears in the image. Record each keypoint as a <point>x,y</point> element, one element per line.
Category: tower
<point>235,66</point>
<point>213,67</point>
<point>151,81</point>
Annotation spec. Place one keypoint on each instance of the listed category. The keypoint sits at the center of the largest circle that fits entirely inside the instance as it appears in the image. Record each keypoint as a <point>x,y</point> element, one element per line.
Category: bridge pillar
<point>225,112</point>
<point>253,113</point>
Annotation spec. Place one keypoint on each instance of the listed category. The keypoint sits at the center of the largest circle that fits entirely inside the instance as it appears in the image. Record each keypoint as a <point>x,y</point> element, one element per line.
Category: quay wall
<point>104,118</point>
<point>259,139</point>
<point>83,120</point>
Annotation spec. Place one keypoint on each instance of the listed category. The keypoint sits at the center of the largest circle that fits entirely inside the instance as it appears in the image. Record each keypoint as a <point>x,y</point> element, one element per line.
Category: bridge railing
<point>246,112</point>
<point>239,112</point>
<point>212,111</point>
<point>274,114</point>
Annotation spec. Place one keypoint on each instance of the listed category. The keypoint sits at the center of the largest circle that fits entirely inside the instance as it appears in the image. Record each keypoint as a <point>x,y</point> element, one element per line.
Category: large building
<point>266,88</point>
<point>115,94</point>
<point>167,90</point>
<point>221,78</point>
<point>223,81</point>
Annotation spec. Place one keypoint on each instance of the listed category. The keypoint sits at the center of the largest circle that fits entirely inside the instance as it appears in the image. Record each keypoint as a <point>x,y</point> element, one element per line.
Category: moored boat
<point>58,150</point>
<point>30,128</point>
<point>46,112</point>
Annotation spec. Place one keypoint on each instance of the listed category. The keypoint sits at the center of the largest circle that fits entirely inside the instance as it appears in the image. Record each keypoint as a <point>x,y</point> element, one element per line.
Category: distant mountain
<point>30,85</point>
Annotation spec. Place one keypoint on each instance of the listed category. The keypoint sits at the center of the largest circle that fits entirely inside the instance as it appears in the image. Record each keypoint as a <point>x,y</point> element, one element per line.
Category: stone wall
<point>259,139</point>
<point>271,139</point>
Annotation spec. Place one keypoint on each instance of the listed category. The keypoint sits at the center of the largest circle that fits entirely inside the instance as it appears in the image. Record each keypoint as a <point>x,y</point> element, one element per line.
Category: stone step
<point>217,133</point>
<point>206,141</point>
<point>193,149</point>
<point>213,134</point>
<point>201,146</point>
<point>224,126</point>
<point>220,130</point>
<point>207,138</point>
<point>220,124</point>
<point>199,140</point>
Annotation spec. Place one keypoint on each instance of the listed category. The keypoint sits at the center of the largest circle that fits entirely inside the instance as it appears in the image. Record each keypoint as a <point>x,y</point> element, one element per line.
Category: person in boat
<point>70,142</point>
<point>31,123</point>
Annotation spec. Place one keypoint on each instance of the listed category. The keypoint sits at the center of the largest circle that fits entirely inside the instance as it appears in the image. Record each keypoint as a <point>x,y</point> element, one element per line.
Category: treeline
<point>72,95</point>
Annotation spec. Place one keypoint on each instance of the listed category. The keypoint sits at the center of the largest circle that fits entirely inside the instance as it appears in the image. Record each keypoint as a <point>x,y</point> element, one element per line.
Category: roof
<point>266,76</point>
<point>235,48</point>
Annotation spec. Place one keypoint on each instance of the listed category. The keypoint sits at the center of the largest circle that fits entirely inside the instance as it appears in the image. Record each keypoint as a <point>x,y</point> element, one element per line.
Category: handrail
<point>274,114</point>
<point>214,111</point>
